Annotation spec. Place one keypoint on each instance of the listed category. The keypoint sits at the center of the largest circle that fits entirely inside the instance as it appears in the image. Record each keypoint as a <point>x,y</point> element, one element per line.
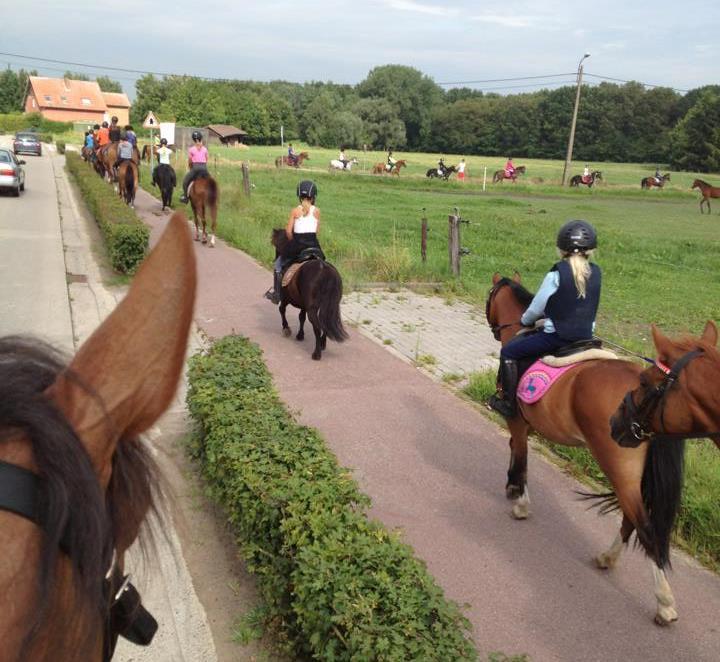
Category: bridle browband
<point>20,491</point>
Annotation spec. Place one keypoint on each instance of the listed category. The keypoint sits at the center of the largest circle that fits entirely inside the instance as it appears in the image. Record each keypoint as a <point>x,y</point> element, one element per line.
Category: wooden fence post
<point>246,178</point>
<point>423,236</point>
<point>454,243</point>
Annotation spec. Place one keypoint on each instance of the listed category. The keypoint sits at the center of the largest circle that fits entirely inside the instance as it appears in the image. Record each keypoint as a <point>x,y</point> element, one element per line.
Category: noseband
<point>497,328</point>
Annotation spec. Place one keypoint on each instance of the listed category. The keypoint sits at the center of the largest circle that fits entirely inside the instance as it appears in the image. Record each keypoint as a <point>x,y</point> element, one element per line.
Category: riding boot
<point>505,403</point>
<point>275,294</point>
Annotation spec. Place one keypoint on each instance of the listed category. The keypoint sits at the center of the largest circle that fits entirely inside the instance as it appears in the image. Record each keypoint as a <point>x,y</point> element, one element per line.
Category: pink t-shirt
<point>198,154</point>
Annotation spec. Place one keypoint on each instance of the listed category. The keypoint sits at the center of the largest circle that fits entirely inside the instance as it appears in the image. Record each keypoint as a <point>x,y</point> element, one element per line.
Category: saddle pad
<point>578,357</point>
<point>537,380</point>
<point>290,273</point>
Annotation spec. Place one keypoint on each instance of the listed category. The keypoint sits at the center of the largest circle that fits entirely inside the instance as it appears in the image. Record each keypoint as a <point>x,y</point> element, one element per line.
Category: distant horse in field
<point>128,182</point>
<point>285,160</point>
<point>147,152</point>
<point>443,174</point>
<point>203,196</point>
<point>595,175</point>
<point>382,169</point>
<point>316,289</point>
<point>650,182</point>
<point>707,192</point>
<point>336,164</point>
<point>164,178</point>
<point>576,411</point>
<point>500,175</point>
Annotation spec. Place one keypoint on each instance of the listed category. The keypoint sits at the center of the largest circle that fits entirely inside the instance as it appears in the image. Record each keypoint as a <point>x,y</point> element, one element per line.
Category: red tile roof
<point>74,94</point>
<point>116,99</point>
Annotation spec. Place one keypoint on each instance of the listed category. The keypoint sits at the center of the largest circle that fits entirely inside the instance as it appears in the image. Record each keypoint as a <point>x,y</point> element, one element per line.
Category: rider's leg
<point>189,176</point>
<point>274,294</point>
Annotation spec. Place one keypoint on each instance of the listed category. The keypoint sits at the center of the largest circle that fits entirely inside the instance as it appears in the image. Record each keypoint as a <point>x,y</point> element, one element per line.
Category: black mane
<point>521,294</point>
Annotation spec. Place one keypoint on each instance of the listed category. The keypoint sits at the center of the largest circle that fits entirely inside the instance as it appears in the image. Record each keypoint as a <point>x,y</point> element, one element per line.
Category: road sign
<point>151,122</point>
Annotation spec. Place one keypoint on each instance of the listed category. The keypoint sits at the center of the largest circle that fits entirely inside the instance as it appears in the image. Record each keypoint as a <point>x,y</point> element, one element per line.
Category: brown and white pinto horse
<point>650,182</point>
<point>69,436</point>
<point>576,411</point>
<point>707,192</point>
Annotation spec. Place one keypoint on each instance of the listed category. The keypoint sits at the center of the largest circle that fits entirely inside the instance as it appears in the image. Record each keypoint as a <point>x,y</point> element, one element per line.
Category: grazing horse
<point>707,192</point>
<point>336,164</point>
<point>576,180</point>
<point>576,411</point>
<point>381,168</point>
<point>285,160</point>
<point>501,174</point>
<point>316,289</point>
<point>650,182</point>
<point>83,480</point>
<point>447,171</point>
<point>128,182</point>
<point>203,195</point>
<point>164,178</point>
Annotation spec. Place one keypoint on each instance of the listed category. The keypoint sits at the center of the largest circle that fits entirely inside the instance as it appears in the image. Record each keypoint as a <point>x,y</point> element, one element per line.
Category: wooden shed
<point>224,134</point>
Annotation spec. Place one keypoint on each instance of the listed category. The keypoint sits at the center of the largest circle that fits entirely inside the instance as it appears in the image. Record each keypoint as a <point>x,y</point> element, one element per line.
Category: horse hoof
<point>212,241</point>
<point>286,332</point>
<point>520,511</point>
<point>604,561</point>
<point>300,336</point>
<point>665,616</point>
<point>316,356</point>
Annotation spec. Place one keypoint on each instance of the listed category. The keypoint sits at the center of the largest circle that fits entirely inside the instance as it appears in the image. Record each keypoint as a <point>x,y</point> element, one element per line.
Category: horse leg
<point>608,559</point>
<point>323,341</point>
<point>301,318</point>
<point>195,219</point>
<point>285,326</point>
<point>317,354</point>
<point>666,612</point>
<point>516,487</point>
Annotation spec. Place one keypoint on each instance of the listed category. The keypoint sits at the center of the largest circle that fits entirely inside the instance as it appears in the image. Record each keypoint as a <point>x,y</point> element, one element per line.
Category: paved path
<point>435,467</point>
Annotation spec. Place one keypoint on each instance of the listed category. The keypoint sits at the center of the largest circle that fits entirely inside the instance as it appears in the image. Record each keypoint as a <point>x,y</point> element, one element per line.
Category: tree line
<point>400,107</point>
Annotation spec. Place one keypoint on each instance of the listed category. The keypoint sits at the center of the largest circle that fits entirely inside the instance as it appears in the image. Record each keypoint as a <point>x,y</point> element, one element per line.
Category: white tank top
<point>308,223</point>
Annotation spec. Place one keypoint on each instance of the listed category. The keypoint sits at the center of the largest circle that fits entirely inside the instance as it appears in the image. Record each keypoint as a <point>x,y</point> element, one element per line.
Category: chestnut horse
<point>128,182</point>
<point>285,161</point>
<point>707,192</point>
<point>203,195</point>
<point>500,175</point>
<point>83,480</point>
<point>316,289</point>
<point>650,182</point>
<point>381,168</point>
<point>576,411</point>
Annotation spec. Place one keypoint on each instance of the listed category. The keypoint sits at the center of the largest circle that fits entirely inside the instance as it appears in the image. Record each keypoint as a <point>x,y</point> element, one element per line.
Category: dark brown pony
<point>707,192</point>
<point>500,175</point>
<point>203,194</point>
<point>128,182</point>
<point>285,161</point>
<point>316,289</point>
<point>576,412</point>
<point>381,169</point>
<point>70,434</point>
<point>650,182</point>
<point>576,180</point>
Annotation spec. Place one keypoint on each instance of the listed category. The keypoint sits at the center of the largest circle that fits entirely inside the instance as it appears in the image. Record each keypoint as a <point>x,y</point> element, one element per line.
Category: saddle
<point>311,253</point>
<point>586,180</point>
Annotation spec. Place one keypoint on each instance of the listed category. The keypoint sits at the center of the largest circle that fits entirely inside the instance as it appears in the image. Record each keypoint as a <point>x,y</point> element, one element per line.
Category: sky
<point>659,42</point>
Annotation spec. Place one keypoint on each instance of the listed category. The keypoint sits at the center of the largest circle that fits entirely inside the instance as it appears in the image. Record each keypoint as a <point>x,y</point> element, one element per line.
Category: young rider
<point>130,132</point>
<point>568,300</point>
<point>197,163</point>
<point>124,150</point>
<point>114,130</point>
<point>509,168</point>
<point>164,153</point>
<point>658,176</point>
<point>301,231</point>
<point>342,158</point>
<point>103,135</point>
<point>441,168</point>
<point>292,156</point>
<point>586,173</point>
<point>390,161</point>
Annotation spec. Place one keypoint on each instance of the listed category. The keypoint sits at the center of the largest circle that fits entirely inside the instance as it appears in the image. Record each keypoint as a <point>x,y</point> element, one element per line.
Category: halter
<point>20,491</point>
<point>636,418</point>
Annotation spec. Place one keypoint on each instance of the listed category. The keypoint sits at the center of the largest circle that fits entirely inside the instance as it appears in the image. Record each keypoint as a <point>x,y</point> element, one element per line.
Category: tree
<point>696,139</point>
<point>9,92</point>
<point>107,84</point>
<point>413,95</point>
<point>381,128</point>
<point>74,75</point>
<point>151,94</point>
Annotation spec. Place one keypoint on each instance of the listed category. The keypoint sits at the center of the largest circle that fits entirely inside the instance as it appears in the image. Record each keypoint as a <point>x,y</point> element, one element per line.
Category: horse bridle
<point>496,328</point>
<point>637,418</point>
<point>20,491</point>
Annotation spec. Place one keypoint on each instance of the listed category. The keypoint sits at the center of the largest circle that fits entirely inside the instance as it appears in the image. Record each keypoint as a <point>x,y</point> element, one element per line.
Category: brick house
<point>66,100</point>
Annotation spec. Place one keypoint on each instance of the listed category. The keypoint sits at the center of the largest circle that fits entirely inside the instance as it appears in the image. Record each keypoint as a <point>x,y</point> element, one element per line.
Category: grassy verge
<point>339,586</point>
<point>698,522</point>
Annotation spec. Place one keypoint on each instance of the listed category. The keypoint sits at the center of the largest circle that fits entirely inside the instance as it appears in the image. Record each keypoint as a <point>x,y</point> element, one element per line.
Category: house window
<point>63,99</point>
<point>86,102</point>
<point>48,97</point>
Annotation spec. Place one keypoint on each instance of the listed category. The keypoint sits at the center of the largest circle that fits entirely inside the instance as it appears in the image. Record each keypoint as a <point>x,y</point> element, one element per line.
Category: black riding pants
<point>190,175</point>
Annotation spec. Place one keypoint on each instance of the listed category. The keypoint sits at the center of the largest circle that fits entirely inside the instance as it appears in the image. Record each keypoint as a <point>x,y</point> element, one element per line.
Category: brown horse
<point>650,182</point>
<point>84,482</point>
<point>285,160</point>
<point>316,289</point>
<point>576,411</point>
<point>500,175</point>
<point>381,168</point>
<point>707,192</point>
<point>203,195</point>
<point>128,181</point>
<point>107,157</point>
<point>595,175</point>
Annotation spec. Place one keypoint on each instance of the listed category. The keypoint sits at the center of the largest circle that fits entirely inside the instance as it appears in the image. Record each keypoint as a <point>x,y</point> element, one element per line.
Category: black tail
<point>662,483</point>
<point>328,296</point>
<point>129,184</point>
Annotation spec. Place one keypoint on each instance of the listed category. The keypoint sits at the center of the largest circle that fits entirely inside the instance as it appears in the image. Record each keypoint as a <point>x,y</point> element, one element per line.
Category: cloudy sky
<point>663,42</point>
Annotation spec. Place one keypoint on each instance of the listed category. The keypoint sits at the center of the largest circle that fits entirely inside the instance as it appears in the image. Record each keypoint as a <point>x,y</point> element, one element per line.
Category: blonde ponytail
<point>580,266</point>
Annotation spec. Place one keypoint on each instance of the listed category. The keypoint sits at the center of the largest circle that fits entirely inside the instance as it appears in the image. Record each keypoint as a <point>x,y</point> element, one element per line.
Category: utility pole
<point>571,139</point>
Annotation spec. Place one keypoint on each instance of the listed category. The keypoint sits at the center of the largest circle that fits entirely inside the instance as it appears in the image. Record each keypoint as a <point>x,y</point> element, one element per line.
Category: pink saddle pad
<point>538,379</point>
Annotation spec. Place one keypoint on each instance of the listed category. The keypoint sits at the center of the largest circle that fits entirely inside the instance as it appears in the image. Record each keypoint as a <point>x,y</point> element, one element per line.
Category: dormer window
<point>86,102</point>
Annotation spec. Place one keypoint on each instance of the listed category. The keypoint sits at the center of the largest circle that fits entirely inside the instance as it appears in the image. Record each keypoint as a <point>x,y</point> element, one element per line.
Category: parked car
<point>27,142</point>
<point>12,174</point>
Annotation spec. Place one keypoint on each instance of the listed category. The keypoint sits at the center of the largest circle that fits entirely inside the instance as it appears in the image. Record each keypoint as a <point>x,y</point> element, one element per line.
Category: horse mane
<point>523,295</point>
<point>73,507</point>
<point>278,238</point>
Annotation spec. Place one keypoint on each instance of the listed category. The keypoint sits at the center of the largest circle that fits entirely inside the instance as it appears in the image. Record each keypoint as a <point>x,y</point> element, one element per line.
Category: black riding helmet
<point>163,141</point>
<point>196,135</point>
<point>577,237</point>
<point>307,189</point>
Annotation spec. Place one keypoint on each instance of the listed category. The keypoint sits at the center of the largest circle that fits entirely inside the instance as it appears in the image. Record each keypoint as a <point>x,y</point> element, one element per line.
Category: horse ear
<point>663,344</point>
<point>496,278</point>
<point>125,375</point>
<point>516,277</point>
<point>710,333</point>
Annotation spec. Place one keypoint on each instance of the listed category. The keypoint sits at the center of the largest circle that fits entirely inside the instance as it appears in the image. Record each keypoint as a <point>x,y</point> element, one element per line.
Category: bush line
<point>126,236</point>
<point>24,121</point>
<point>339,586</point>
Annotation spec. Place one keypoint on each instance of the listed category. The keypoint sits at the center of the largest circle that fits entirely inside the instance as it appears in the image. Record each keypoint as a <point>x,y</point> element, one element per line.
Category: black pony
<point>576,180</point>
<point>164,178</point>
<point>316,289</point>
<point>446,172</point>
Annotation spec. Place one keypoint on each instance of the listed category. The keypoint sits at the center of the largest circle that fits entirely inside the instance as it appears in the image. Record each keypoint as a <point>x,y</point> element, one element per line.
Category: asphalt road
<point>33,286</point>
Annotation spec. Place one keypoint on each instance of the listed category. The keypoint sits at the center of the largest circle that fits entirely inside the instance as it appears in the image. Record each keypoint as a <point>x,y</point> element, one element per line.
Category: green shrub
<point>125,234</point>
<point>12,122</point>
<point>341,586</point>
<point>60,146</point>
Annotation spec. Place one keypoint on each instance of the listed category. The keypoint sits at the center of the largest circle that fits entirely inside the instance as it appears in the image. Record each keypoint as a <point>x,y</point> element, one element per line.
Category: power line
<point>621,80</point>
<point>505,80</point>
<point>46,68</point>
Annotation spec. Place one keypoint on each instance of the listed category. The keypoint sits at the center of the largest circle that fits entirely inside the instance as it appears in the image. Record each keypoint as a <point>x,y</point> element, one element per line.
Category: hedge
<point>125,234</point>
<point>340,587</point>
<point>21,121</point>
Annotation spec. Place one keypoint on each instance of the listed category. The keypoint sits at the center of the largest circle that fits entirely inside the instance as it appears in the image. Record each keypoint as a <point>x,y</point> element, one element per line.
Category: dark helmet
<point>96,127</point>
<point>196,135</point>
<point>576,237</point>
<point>114,119</point>
<point>163,141</point>
<point>123,135</point>
<point>105,124</point>
<point>307,189</point>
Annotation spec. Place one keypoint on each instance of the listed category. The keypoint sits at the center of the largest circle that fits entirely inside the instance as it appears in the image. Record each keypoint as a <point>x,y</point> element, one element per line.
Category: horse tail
<point>661,491</point>
<point>212,198</point>
<point>328,294</point>
<point>129,183</point>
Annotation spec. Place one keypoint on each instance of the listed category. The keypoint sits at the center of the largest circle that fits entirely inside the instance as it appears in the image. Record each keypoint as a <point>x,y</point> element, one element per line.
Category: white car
<point>12,174</point>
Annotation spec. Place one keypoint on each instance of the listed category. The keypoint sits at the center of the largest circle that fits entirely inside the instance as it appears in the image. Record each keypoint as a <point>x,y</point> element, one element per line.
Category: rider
<point>441,167</point>
<point>568,299</point>
<point>301,231</point>
<point>658,176</point>
<point>114,130</point>
<point>390,161</point>
<point>342,158</point>
<point>103,135</point>
<point>509,168</point>
<point>132,138</point>
<point>197,163</point>
<point>586,173</point>
<point>124,150</point>
<point>163,153</point>
<point>89,141</point>
<point>292,156</point>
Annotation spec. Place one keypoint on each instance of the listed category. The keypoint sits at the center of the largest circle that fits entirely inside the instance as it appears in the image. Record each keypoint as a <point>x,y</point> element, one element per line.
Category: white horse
<point>336,164</point>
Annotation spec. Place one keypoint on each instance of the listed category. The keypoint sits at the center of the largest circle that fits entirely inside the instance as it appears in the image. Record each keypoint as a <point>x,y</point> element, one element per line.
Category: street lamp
<point>571,139</point>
